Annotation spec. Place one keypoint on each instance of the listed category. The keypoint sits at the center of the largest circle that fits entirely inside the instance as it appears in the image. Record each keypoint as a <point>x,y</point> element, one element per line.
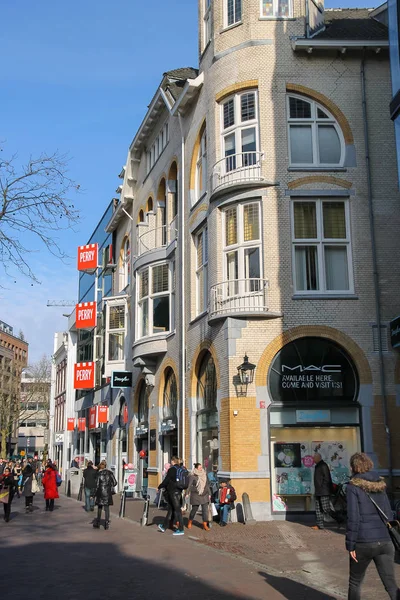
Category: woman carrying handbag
<point>7,489</point>
<point>367,534</point>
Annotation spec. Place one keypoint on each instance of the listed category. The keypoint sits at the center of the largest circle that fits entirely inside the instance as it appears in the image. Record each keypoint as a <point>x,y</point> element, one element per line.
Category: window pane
<point>144,284</point>
<point>251,222</point>
<point>248,147</point>
<point>248,106</point>
<point>301,151</point>
<point>321,114</point>
<point>305,220</point>
<point>252,263</point>
<point>329,145</point>
<point>230,152</point>
<point>230,11</point>
<point>161,314</point>
<point>334,220</point>
<point>145,317</point>
<point>336,267</point>
<point>200,291</point>
<point>306,264</point>
<point>238,10</point>
<point>230,226</point>
<point>116,346</point>
<point>232,265</point>
<point>160,279</point>
<point>116,317</point>
<point>283,8</point>
<point>267,8</point>
<point>299,109</point>
<point>200,250</point>
<point>229,113</point>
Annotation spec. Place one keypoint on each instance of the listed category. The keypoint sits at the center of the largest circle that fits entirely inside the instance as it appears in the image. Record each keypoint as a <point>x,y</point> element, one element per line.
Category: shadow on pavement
<point>292,590</point>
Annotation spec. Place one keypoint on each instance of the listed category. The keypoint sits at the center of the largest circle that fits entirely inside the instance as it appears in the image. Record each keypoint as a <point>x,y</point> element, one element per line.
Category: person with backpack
<point>199,495</point>
<point>50,484</point>
<point>175,481</point>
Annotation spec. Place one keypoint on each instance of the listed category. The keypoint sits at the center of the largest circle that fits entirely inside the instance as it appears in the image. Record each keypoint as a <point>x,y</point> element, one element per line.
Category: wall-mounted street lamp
<point>245,376</point>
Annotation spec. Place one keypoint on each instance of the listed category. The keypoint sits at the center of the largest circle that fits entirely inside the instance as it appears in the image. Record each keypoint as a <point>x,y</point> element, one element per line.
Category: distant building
<point>34,414</point>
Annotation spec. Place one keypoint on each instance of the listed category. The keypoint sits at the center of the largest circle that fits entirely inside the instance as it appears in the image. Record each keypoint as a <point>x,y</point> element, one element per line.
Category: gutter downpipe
<point>182,349</point>
<point>376,276</point>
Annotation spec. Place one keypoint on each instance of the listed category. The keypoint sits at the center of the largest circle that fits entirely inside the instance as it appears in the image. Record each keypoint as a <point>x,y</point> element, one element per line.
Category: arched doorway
<point>141,438</point>
<point>169,425</point>
<point>207,413</point>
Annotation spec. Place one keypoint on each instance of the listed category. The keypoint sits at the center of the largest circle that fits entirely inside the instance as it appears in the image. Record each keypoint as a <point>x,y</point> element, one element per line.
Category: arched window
<point>143,403</point>
<point>315,138</point>
<point>150,204</point>
<point>201,166</point>
<point>170,396</point>
<point>141,216</point>
<point>207,414</point>
<point>125,264</point>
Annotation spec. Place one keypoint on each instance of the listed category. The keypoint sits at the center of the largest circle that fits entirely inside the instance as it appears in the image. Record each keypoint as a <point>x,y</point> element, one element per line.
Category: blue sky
<point>77,77</point>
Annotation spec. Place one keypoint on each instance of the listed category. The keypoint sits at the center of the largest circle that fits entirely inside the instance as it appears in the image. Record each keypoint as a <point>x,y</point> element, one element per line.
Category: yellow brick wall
<point>153,480</point>
<point>257,489</point>
<point>225,435</point>
<point>153,453</point>
<point>244,429</point>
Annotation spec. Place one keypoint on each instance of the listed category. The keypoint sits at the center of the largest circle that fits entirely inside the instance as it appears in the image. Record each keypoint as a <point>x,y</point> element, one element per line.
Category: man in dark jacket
<point>89,479</point>
<point>323,490</point>
<point>173,498</point>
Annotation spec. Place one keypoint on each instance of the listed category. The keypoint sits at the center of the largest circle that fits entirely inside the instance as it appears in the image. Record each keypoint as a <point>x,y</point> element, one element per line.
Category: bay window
<point>242,248</point>
<point>201,271</point>
<point>315,138</point>
<point>154,299</point>
<point>321,247</point>
<point>239,118</point>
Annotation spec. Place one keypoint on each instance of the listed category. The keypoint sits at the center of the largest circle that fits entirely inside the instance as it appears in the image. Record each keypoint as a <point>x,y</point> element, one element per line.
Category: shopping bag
<point>214,511</point>
<point>4,496</point>
<point>35,486</point>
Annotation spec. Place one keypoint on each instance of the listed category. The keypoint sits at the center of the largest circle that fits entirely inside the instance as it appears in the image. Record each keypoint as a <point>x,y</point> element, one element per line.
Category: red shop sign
<point>102,414</point>
<point>70,424</point>
<point>88,257</point>
<point>93,417</point>
<point>84,376</point>
<point>86,315</point>
<point>81,424</point>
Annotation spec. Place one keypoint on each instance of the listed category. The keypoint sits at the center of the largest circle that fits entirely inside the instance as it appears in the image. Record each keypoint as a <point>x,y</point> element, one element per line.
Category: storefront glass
<point>313,385</point>
<point>207,414</point>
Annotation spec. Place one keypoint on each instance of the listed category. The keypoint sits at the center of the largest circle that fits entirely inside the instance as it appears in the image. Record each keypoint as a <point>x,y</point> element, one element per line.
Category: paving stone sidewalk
<point>289,549</point>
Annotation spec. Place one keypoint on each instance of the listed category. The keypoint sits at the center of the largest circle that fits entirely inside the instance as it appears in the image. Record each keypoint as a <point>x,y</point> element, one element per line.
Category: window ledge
<point>307,169</point>
<point>199,201</point>
<point>348,296</point>
<point>199,317</point>
<point>229,27</point>
<point>277,19</point>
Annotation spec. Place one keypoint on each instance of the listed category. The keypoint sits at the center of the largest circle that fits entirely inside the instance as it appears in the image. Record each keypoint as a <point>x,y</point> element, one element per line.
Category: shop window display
<point>207,414</point>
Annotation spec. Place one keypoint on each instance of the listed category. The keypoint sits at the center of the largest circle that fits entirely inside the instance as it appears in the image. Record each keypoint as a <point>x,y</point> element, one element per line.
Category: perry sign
<point>84,376</point>
<point>88,257</point>
<point>86,315</point>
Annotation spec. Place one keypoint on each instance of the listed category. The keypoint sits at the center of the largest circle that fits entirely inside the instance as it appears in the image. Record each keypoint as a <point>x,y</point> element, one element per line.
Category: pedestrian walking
<point>27,492</point>
<point>367,537</point>
<point>172,486</point>
<point>7,484</point>
<point>105,484</point>
<point>89,479</point>
<point>323,490</point>
<point>17,474</point>
<point>49,482</point>
<point>198,494</point>
<point>226,501</point>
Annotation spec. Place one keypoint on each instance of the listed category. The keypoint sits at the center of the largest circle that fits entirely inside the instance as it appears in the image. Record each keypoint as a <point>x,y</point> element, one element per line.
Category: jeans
<point>89,499</point>
<point>174,509</point>
<point>382,553</point>
<point>204,510</point>
<point>50,504</point>
<point>106,513</point>
<point>224,510</point>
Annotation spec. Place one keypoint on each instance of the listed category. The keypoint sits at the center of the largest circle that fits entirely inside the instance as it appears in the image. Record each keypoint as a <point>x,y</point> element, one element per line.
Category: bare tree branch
<point>35,201</point>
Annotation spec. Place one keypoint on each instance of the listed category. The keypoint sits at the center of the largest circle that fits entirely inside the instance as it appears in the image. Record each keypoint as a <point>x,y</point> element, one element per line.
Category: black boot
<point>96,523</point>
<point>106,524</point>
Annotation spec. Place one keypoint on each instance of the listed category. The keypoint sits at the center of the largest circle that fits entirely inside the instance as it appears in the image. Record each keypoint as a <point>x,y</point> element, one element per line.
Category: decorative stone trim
<point>331,106</point>
<point>361,362</point>
<point>236,87</point>
<point>199,209</point>
<point>168,362</point>
<point>319,179</point>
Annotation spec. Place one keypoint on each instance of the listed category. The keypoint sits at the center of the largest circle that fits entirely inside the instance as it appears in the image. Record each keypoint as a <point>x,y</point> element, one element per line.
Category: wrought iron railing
<point>157,237</point>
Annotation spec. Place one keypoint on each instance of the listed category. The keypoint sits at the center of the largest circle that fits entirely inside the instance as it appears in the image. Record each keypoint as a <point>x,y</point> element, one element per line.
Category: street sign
<point>59,438</point>
<point>121,379</point>
<point>130,480</point>
<point>22,452</point>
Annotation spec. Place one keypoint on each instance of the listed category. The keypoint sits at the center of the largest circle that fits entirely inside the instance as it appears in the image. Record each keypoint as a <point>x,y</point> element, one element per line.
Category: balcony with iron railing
<point>157,237</point>
<point>239,169</point>
<point>239,297</point>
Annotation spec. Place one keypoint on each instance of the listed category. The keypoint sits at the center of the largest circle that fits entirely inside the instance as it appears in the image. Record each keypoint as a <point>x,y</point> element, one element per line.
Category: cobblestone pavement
<point>59,556</point>
<point>291,551</point>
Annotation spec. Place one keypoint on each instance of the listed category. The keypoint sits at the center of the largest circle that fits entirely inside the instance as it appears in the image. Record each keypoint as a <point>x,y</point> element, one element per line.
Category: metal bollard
<point>247,509</point>
<point>69,489</point>
<point>122,505</point>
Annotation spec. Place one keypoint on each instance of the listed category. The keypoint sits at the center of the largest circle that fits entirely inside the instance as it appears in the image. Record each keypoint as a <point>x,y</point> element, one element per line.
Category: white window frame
<point>115,331</point>
<point>314,122</point>
<point>240,247</point>
<point>202,271</point>
<point>320,243</point>
<point>157,147</point>
<point>202,166</point>
<point>237,128</point>
<point>236,20</point>
<point>151,297</point>
<point>276,15</point>
<point>207,23</point>
<point>125,264</point>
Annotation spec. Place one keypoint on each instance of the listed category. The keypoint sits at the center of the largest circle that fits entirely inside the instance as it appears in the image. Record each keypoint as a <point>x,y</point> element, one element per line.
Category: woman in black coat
<point>367,537</point>
<point>105,484</point>
<point>7,482</point>
<point>27,476</point>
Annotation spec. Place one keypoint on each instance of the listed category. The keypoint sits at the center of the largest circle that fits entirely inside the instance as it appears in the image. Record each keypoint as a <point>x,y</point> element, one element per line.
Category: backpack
<point>58,479</point>
<point>182,478</point>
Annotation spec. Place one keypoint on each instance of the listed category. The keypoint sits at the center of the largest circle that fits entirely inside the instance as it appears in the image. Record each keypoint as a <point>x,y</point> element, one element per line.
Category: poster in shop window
<point>336,456</point>
<point>287,454</point>
<point>293,473</point>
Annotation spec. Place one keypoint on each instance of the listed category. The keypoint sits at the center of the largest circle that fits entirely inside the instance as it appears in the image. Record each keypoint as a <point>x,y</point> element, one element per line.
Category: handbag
<point>35,486</point>
<point>392,526</point>
<point>4,495</point>
<point>214,511</point>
